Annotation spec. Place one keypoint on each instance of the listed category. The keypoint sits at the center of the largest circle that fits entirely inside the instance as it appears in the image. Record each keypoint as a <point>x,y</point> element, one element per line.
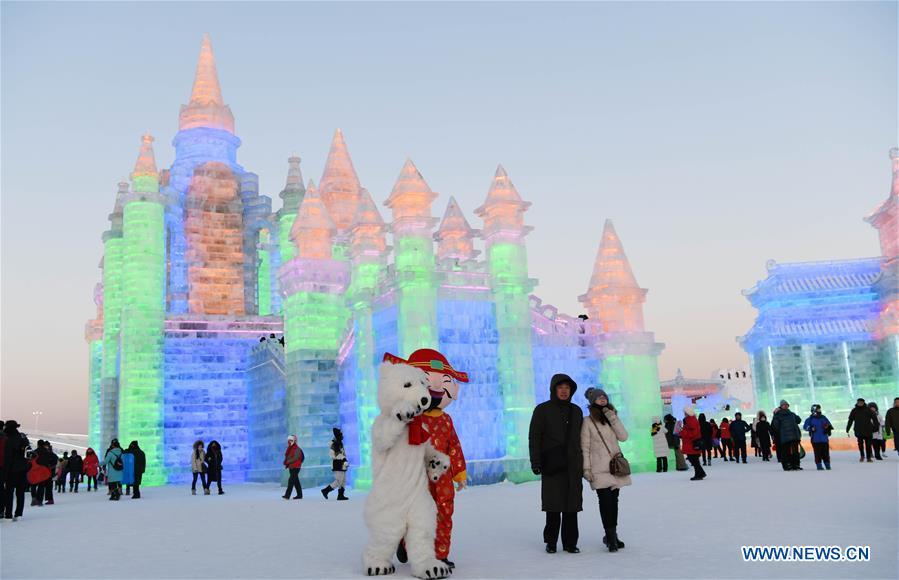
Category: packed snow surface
<point>673,528</point>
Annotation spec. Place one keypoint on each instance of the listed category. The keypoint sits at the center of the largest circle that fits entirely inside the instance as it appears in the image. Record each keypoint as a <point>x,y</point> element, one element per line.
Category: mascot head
<point>400,382</point>
<point>443,379</point>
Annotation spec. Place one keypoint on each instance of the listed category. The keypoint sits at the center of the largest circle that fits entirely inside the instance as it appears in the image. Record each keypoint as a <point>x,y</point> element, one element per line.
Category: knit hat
<point>291,437</point>
<point>594,393</point>
<point>689,411</point>
<point>783,402</point>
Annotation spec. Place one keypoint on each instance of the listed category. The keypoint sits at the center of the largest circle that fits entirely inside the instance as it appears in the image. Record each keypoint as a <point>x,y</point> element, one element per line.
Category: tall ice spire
<point>339,185</point>
<point>503,210</point>
<point>455,237</point>
<point>313,229</point>
<point>614,298</point>
<point>206,107</point>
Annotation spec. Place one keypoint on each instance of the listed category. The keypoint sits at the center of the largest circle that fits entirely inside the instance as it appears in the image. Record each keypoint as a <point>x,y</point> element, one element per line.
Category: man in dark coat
<point>738,430</point>
<point>140,466</point>
<point>785,426</point>
<point>863,418</point>
<point>555,451</point>
<point>891,423</point>
<point>15,469</point>
<point>74,468</point>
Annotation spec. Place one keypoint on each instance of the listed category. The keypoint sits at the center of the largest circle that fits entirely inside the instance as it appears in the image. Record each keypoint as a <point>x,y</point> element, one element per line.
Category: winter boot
<point>341,494</point>
<point>612,539</point>
<point>135,495</point>
<point>820,467</point>
<point>193,492</point>
<point>827,466</point>
<point>206,491</point>
<point>49,502</point>
<point>550,548</point>
<point>605,542</point>
<point>401,554</point>
<point>326,490</point>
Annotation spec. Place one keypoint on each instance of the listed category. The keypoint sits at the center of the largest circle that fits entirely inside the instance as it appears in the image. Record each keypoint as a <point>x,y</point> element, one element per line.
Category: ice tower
<point>629,354</point>
<point>826,332</point>
<point>218,318</point>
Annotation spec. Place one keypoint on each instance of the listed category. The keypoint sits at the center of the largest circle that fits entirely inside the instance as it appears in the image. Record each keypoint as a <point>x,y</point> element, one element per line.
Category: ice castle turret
<point>143,313</point>
<point>200,277</point>
<point>504,232</point>
<point>629,354</point>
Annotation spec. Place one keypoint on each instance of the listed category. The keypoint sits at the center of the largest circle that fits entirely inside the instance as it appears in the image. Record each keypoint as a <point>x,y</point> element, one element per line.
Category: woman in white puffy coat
<point>600,433</point>
<point>659,445</point>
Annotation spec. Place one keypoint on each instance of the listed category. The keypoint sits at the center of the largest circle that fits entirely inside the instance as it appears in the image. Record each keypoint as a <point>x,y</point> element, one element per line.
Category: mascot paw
<point>378,568</point>
<point>405,411</point>
<point>432,569</point>
<point>437,464</point>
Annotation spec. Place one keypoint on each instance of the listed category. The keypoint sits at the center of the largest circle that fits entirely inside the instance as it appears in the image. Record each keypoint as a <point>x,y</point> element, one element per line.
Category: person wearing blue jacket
<point>114,468</point>
<point>819,428</point>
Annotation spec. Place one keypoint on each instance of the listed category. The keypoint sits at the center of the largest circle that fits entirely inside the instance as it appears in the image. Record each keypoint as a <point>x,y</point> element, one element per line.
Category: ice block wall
<point>263,275</point>
<point>113,246</point>
<point>266,412</point>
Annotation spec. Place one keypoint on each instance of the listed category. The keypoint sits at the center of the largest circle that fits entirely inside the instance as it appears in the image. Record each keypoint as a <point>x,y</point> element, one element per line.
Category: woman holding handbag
<point>604,465</point>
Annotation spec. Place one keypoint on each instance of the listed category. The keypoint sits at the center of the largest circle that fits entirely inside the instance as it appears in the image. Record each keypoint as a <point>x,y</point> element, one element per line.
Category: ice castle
<point>828,332</point>
<point>197,268</point>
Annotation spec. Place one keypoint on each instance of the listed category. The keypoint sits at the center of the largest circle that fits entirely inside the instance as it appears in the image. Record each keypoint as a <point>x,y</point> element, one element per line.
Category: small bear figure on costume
<point>403,461</point>
<point>443,389</point>
<point>339,466</point>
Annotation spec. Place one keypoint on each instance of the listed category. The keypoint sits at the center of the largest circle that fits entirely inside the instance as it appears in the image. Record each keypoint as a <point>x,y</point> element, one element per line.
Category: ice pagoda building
<point>218,318</point>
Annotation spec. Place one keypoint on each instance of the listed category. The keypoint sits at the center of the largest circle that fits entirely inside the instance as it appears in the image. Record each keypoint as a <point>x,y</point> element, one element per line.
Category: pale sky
<point>717,136</point>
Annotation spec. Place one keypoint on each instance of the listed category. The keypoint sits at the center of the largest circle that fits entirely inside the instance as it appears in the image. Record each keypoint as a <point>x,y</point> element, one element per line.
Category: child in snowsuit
<point>659,445</point>
<point>819,428</point>
<point>339,466</point>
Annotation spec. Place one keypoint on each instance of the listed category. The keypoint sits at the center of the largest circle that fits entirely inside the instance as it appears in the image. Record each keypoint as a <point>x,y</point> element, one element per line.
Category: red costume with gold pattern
<point>444,439</point>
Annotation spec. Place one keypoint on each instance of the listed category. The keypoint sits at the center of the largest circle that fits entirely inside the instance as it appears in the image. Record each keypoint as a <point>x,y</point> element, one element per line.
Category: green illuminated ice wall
<point>112,312</point>
<point>93,393</point>
<point>416,293</point>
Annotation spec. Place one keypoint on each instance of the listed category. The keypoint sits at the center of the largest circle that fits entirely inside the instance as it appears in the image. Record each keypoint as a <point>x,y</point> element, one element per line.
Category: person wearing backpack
<point>138,460</point>
<point>293,461</point>
<point>115,467</point>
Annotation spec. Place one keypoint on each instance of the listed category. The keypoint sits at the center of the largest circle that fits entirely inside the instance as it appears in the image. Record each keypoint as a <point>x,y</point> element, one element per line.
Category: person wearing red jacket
<point>293,461</point>
<point>726,442</point>
<point>443,386</point>
<point>91,467</point>
<point>691,443</point>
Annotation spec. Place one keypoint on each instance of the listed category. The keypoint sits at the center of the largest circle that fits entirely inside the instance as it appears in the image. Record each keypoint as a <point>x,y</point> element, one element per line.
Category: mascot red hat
<point>428,360</point>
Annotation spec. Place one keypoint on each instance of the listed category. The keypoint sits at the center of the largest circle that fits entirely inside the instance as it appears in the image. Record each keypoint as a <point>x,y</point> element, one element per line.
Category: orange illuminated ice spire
<point>411,196</point>
<point>339,185</point>
<point>886,219</point>
<point>503,211</point>
<point>455,237</point>
<point>145,177</point>
<point>368,227</point>
<point>313,229</point>
<point>206,107</point>
<point>614,298</point>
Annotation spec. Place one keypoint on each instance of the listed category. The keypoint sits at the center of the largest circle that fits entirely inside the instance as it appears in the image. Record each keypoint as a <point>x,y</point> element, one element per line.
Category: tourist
<point>339,466</point>
<point>91,467</point>
<point>61,472</point>
<point>785,425</point>
<point>716,441</point>
<point>293,462</point>
<point>114,468</point>
<point>198,468</point>
<point>214,466</point>
<point>754,438</point>
<point>738,430</point>
<point>726,442</point>
<point>863,419</point>
<point>877,440</point>
<point>691,442</point>
<point>46,457</point>
<point>819,429</point>
<point>554,445</point>
<point>891,424</point>
<point>76,464</point>
<point>659,445</point>
<point>2,472</point>
<point>600,434</point>
<point>15,468</point>
<point>137,464</point>
<point>705,429</point>
<point>671,425</point>
<point>763,435</point>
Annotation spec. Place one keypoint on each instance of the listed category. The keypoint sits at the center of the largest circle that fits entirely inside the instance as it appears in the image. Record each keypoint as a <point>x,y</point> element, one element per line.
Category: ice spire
<point>339,184</point>
<point>614,297</point>
<point>455,237</point>
<point>145,177</point>
<point>293,191</point>
<point>503,210</point>
<point>313,229</point>
<point>368,227</point>
<point>206,107</point>
<point>411,196</point>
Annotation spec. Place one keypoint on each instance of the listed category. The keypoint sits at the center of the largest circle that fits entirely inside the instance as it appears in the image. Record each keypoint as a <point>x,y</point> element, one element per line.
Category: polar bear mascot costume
<point>403,461</point>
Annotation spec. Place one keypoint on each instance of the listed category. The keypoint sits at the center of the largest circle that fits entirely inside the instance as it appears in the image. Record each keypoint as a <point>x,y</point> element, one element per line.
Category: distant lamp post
<point>37,416</point>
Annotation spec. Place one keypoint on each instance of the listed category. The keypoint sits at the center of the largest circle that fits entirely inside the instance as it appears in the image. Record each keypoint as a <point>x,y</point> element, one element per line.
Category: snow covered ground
<point>674,528</point>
